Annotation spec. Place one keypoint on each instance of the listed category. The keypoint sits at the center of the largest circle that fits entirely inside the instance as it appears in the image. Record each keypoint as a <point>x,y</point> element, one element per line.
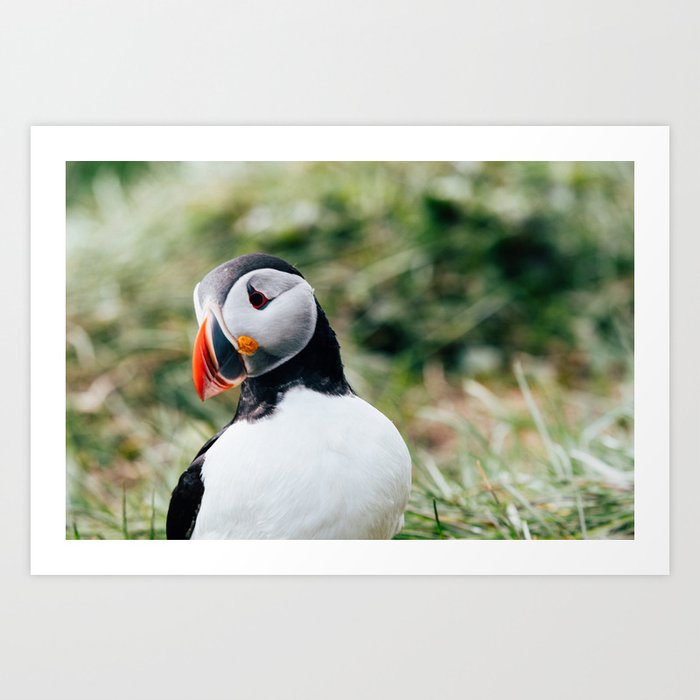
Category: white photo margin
<point>53,146</point>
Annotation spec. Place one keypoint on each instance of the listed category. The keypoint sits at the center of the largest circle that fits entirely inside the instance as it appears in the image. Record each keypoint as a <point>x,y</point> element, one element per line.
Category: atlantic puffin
<point>304,457</point>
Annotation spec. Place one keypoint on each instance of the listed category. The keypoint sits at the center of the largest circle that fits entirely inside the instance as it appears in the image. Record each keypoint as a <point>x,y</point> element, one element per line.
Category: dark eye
<point>257,299</point>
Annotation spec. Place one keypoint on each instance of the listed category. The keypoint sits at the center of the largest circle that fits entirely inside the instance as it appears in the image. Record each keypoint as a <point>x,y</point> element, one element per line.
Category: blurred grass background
<point>486,308</point>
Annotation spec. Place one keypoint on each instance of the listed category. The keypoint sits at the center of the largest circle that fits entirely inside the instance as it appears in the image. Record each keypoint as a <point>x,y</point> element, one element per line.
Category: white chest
<point>320,467</point>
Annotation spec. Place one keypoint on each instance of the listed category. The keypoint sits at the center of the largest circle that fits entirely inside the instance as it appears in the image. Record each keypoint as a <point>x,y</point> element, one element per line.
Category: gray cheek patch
<point>272,283</point>
<point>282,328</point>
<point>286,331</point>
<point>290,323</point>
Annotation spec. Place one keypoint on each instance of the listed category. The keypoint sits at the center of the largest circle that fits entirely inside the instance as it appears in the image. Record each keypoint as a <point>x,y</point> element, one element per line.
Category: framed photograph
<point>350,350</point>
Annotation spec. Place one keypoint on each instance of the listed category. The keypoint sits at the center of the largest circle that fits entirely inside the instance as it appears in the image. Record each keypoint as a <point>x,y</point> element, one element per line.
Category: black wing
<point>185,502</point>
<point>187,496</point>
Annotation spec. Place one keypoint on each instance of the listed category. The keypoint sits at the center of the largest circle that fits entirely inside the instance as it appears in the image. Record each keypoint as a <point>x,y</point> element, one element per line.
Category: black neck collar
<point>317,367</point>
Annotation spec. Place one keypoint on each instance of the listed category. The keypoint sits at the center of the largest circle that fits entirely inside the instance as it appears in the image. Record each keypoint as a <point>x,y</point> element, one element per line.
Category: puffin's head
<point>255,312</point>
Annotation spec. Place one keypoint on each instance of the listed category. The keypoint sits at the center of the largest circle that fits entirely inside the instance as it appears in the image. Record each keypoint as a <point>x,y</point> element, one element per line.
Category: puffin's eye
<point>257,299</point>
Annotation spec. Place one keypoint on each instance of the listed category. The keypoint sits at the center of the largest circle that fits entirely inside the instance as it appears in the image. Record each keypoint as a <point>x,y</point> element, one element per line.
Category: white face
<point>274,308</point>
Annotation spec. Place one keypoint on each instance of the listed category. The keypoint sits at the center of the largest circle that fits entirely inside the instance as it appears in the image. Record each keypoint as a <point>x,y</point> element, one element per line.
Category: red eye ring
<point>257,299</point>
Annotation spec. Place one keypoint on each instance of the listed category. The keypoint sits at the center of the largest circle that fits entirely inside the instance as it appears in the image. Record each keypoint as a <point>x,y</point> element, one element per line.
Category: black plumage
<point>185,502</point>
<point>187,495</point>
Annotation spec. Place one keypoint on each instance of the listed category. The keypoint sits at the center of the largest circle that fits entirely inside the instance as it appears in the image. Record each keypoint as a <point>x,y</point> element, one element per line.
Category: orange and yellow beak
<point>216,363</point>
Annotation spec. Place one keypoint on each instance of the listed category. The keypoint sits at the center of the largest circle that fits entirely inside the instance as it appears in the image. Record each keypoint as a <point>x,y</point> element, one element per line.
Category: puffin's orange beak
<point>216,364</point>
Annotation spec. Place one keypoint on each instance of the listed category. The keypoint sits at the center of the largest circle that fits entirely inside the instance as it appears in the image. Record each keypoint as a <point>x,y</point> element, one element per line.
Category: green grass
<point>555,466</point>
<point>527,472</point>
<point>485,308</point>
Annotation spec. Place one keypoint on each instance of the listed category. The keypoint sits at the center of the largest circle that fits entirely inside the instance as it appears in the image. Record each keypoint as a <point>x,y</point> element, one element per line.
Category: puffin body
<point>303,457</point>
<point>328,467</point>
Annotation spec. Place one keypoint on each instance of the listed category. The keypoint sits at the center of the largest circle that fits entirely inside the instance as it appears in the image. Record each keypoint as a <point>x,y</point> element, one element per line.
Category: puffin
<point>304,457</point>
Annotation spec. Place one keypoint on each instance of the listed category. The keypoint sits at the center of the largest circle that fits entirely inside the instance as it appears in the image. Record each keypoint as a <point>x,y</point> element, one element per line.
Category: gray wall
<point>397,61</point>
